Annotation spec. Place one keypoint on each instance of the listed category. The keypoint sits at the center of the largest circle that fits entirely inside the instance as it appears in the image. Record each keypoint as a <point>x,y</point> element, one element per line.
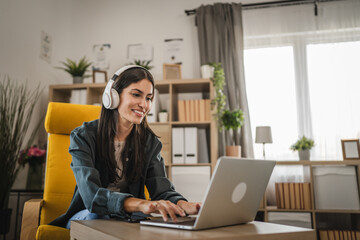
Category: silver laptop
<point>232,197</point>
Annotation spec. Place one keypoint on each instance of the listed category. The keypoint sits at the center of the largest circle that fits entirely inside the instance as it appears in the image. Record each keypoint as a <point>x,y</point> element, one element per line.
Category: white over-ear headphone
<point>110,97</point>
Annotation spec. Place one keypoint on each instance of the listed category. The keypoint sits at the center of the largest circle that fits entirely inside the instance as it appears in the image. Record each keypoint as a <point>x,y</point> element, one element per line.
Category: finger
<point>178,210</point>
<point>170,209</point>
<point>163,212</point>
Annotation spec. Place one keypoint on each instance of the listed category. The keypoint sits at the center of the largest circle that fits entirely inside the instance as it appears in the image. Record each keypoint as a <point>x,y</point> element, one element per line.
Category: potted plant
<point>143,63</point>
<point>232,121</point>
<point>218,81</point>
<point>17,103</point>
<point>76,70</point>
<point>303,146</point>
<point>207,71</point>
<point>163,115</point>
<point>35,157</point>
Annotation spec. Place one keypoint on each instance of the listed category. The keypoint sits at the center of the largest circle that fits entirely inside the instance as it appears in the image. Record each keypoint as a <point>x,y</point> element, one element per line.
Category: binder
<point>203,146</point>
<point>191,145</point>
<point>178,146</point>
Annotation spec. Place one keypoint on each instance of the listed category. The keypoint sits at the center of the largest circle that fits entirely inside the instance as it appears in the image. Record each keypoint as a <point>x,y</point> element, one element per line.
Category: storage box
<point>191,182</point>
<point>336,187</point>
<point>291,219</point>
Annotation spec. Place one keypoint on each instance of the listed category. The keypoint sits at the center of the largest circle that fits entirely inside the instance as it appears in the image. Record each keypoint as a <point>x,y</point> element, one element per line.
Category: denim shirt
<point>91,192</point>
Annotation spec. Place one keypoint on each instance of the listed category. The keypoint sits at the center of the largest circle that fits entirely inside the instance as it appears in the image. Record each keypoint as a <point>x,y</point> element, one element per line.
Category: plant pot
<point>78,79</point>
<point>207,71</point>
<point>233,151</point>
<point>163,116</point>
<point>5,216</point>
<point>35,176</point>
<point>304,154</point>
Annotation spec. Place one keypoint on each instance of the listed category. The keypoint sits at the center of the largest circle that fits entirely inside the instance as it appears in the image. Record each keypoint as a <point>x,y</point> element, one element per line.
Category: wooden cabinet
<point>172,89</point>
<point>324,220</point>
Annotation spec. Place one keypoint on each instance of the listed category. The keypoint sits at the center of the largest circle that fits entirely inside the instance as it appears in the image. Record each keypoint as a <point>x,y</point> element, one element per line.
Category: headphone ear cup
<point>115,99</point>
<point>106,100</point>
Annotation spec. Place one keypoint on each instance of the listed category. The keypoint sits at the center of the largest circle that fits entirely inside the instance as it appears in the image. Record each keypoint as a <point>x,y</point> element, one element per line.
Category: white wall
<point>76,25</point>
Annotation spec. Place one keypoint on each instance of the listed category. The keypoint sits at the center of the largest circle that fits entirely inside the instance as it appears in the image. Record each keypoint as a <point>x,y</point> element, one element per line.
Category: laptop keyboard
<point>180,220</point>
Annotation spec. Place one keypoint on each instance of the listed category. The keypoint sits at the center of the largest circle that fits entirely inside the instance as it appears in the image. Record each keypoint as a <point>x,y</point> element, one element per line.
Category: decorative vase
<point>304,154</point>
<point>163,116</point>
<point>35,176</point>
<point>207,71</point>
<point>5,216</point>
<point>78,79</point>
<point>233,151</point>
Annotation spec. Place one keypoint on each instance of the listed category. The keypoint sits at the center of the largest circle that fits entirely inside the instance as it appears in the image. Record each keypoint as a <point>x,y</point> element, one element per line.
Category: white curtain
<point>327,105</point>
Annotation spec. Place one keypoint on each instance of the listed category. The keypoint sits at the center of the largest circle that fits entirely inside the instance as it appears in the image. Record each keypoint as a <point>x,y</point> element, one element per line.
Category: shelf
<point>336,211</point>
<point>275,209</point>
<point>190,165</point>
<point>204,124</point>
<point>321,163</point>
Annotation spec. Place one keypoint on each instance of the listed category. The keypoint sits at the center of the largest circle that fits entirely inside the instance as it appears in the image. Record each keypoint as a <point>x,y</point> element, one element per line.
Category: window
<point>334,84</point>
<point>333,76</point>
<point>270,86</point>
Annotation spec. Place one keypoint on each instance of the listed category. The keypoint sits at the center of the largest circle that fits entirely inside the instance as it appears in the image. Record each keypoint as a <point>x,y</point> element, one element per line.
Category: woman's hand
<point>189,207</point>
<point>163,207</point>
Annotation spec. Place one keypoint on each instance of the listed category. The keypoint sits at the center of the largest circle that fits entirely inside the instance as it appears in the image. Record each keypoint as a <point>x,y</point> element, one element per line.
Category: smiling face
<point>135,102</point>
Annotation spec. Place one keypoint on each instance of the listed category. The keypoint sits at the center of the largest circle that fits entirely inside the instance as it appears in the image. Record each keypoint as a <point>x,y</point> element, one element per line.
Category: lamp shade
<point>263,135</point>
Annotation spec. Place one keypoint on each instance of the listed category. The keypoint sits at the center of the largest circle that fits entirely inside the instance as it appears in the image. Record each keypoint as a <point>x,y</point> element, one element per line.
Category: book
<point>207,110</point>
<point>331,235</point>
<point>297,196</point>
<point>197,109</point>
<point>292,195</point>
<point>202,110</point>
<point>323,234</point>
<point>287,195</point>
<point>181,110</point>
<point>302,196</point>
<point>192,110</point>
<point>307,196</point>
<point>187,111</point>
<point>277,195</point>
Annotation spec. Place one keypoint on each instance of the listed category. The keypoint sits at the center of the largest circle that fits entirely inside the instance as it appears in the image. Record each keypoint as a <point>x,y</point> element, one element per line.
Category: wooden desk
<point>115,230</point>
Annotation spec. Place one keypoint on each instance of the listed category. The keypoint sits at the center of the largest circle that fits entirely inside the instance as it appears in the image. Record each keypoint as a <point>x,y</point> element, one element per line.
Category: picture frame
<point>171,71</point>
<point>350,149</point>
<point>99,76</point>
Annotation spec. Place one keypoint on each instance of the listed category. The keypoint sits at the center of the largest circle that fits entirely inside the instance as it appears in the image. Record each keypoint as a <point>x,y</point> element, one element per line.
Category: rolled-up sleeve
<point>96,198</point>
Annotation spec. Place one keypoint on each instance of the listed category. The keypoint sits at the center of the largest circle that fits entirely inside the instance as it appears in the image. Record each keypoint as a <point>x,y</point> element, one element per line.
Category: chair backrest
<point>61,119</point>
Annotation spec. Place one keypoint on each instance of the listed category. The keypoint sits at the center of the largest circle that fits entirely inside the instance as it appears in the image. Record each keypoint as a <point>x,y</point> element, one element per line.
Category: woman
<point>114,157</point>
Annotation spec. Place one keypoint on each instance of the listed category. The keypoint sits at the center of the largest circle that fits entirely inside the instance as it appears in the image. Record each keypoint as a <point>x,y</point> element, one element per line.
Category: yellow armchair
<point>61,119</point>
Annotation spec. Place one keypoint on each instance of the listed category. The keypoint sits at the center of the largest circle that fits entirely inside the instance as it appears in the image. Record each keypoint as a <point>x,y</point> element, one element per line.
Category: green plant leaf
<point>76,69</point>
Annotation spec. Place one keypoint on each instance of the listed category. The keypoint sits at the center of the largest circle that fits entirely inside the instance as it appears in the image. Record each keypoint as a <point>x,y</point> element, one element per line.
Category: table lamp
<point>263,135</point>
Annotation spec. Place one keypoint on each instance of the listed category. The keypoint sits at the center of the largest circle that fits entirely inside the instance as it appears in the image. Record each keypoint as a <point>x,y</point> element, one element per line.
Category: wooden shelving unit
<point>62,93</point>
<point>314,211</point>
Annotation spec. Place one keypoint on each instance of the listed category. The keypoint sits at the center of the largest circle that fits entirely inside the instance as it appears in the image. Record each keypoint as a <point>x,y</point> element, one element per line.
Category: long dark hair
<point>133,154</point>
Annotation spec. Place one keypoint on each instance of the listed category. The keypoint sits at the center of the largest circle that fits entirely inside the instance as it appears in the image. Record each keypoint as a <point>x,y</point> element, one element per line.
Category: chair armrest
<point>30,218</point>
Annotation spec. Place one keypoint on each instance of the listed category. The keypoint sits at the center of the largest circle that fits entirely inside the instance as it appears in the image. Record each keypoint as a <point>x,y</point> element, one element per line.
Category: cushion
<point>46,232</point>
<point>62,118</point>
